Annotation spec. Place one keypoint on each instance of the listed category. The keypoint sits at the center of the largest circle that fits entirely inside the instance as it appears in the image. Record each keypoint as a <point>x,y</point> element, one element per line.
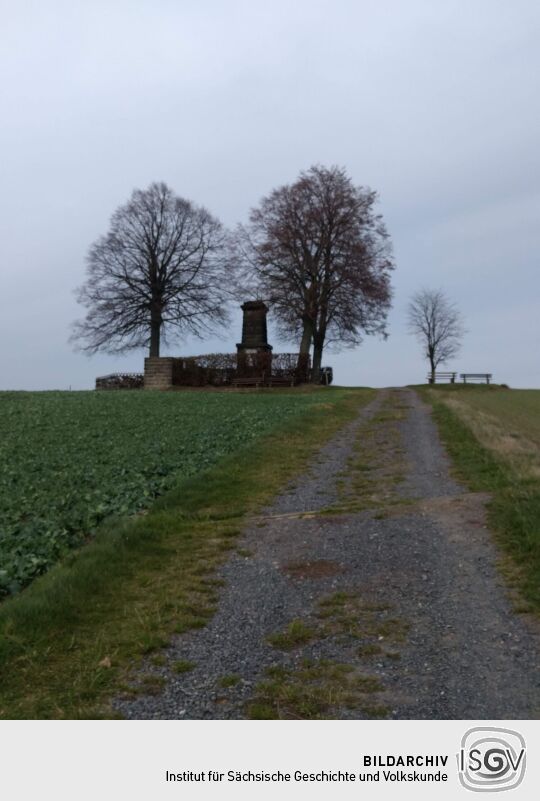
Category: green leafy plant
<point>71,460</point>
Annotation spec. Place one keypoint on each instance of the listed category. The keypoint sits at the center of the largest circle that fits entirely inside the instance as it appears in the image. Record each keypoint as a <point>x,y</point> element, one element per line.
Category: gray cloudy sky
<point>434,103</point>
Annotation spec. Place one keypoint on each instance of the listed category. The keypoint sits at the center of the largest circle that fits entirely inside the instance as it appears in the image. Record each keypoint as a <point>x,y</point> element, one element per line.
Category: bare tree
<point>158,271</point>
<point>437,324</point>
<point>321,257</point>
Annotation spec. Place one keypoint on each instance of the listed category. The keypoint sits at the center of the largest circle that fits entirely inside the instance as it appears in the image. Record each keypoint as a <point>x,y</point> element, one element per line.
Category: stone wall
<point>120,381</point>
<point>219,369</point>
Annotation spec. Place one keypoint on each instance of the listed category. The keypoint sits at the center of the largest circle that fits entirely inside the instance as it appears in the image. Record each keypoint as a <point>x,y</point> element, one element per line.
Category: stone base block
<point>158,372</point>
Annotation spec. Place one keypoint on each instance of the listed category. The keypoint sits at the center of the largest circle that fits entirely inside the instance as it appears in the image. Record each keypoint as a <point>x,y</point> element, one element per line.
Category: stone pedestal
<point>254,354</point>
<point>158,372</point>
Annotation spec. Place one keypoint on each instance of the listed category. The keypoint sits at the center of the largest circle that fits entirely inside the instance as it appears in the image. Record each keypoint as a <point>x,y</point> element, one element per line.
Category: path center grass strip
<point>514,511</point>
<point>68,642</point>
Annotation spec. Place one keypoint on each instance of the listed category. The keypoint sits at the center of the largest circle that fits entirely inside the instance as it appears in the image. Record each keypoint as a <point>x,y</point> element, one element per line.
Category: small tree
<point>320,255</point>
<point>158,271</point>
<point>437,324</point>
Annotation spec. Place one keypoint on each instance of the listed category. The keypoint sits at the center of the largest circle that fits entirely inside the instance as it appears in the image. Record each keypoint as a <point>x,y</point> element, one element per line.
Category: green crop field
<point>70,460</point>
<point>70,641</point>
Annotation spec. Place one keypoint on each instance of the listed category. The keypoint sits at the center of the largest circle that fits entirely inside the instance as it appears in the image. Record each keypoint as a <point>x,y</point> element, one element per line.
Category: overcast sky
<point>433,103</point>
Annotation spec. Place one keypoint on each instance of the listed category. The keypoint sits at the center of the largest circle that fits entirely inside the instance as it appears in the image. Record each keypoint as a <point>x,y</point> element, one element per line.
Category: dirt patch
<point>318,569</point>
<point>469,507</point>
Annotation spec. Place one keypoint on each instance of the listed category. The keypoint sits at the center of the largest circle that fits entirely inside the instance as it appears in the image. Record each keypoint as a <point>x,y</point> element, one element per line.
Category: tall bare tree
<point>157,272</point>
<point>437,324</point>
<point>321,257</point>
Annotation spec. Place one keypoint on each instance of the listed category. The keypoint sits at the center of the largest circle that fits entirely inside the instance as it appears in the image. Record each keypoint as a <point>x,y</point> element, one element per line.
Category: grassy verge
<point>514,511</point>
<point>68,642</point>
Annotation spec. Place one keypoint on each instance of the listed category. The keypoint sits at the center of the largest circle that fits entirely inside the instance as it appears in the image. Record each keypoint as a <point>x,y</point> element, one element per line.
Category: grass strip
<point>315,691</point>
<point>69,642</point>
<point>513,512</point>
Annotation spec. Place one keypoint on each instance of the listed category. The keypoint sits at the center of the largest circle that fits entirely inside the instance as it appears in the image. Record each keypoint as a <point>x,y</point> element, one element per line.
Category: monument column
<point>254,354</point>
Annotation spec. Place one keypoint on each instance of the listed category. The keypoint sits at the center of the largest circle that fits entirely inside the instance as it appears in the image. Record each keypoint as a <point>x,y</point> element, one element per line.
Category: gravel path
<point>421,609</point>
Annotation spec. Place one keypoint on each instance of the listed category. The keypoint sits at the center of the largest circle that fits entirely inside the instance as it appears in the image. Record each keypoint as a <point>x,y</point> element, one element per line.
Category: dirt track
<point>388,569</point>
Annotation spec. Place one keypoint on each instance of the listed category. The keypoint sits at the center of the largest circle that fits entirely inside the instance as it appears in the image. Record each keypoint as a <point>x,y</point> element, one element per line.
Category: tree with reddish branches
<point>320,255</point>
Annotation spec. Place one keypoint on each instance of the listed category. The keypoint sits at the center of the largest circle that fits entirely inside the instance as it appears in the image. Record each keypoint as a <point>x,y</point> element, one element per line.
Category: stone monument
<point>254,354</point>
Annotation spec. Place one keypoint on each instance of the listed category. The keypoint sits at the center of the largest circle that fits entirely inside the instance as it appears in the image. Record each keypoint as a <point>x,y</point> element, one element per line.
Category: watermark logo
<point>491,760</point>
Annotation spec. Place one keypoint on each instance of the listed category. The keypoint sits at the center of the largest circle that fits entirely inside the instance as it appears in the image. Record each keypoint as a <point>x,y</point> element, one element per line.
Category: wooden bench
<point>442,376</point>
<point>281,381</point>
<point>248,381</point>
<point>485,378</point>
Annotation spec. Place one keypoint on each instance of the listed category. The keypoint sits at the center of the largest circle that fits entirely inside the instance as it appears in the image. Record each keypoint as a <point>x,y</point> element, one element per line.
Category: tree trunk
<point>305,343</point>
<point>155,334</point>
<point>317,359</point>
<point>302,365</point>
<point>433,368</point>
